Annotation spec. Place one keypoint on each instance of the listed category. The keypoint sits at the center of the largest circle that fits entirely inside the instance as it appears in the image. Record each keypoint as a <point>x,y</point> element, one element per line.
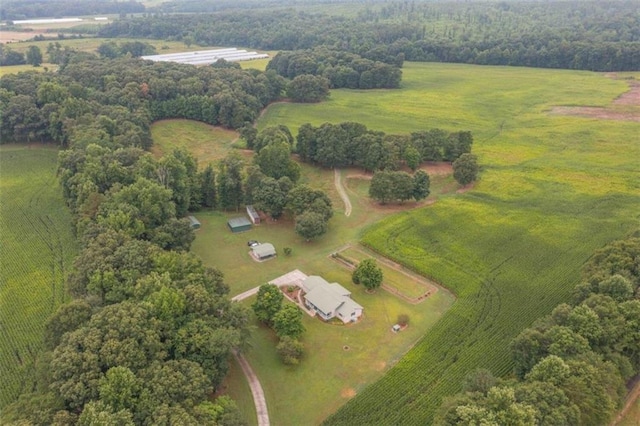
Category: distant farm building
<point>263,251</point>
<point>253,215</point>
<point>330,300</point>
<point>195,223</point>
<point>239,224</point>
<point>205,57</point>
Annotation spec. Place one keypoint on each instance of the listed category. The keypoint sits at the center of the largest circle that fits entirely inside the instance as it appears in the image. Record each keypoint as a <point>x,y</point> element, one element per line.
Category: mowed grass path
<point>36,249</point>
<point>552,190</point>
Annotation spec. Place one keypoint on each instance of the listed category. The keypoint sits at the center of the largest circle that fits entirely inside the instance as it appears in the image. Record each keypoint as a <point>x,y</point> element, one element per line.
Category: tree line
<point>352,144</point>
<point>570,366</point>
<point>588,35</point>
<point>342,69</point>
<point>17,10</point>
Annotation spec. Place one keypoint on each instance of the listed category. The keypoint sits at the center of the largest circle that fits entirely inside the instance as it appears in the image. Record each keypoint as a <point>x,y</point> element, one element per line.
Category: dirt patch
<point>437,169</point>
<point>348,393</point>
<point>380,365</point>
<point>16,36</point>
<point>630,98</point>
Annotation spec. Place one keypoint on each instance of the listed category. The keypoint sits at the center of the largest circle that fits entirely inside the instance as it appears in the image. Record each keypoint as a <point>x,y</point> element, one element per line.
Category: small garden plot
<point>396,280</point>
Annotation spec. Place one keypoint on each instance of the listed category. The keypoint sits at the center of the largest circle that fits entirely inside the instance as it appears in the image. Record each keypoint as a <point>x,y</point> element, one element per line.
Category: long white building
<point>203,57</point>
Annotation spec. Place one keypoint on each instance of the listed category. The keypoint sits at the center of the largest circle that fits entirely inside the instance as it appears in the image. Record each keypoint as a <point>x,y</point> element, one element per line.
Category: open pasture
<point>207,143</point>
<point>36,251</point>
<point>552,190</point>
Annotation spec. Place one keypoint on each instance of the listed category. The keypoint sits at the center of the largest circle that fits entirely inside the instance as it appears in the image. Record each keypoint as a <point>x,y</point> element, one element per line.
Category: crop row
<point>37,247</point>
<point>506,271</point>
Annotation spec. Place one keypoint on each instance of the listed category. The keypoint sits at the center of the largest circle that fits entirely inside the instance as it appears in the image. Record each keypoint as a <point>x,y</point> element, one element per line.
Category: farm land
<point>38,246</point>
<point>554,188</point>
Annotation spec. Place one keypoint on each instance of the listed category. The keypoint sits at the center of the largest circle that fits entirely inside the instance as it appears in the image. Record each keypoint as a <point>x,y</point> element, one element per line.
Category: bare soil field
<point>16,36</point>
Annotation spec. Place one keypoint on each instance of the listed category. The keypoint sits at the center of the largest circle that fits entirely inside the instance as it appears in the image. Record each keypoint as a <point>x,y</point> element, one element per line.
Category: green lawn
<point>37,247</point>
<point>403,283</point>
<point>339,360</point>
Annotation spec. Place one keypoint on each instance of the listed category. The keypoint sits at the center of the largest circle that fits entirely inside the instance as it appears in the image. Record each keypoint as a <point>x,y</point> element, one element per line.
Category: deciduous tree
<point>368,273</point>
<point>268,303</point>
<point>288,321</point>
<point>465,169</point>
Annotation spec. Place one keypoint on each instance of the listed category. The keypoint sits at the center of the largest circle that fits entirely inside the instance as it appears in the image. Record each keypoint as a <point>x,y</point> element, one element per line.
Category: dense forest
<point>571,365</point>
<point>16,10</point>
<point>587,35</point>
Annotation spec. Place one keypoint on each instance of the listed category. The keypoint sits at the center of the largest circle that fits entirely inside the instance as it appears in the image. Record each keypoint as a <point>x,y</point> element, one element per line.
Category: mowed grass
<point>37,247</point>
<point>397,280</point>
<point>207,143</point>
<point>552,190</point>
<point>339,360</point>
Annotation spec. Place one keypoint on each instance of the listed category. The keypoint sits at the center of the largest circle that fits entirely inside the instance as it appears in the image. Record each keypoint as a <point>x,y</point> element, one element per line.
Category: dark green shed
<point>239,224</point>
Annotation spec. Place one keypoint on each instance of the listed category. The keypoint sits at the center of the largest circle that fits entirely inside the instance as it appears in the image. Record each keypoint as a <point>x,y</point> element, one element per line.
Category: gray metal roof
<point>324,299</point>
<point>327,297</point>
<point>264,250</point>
<point>236,222</point>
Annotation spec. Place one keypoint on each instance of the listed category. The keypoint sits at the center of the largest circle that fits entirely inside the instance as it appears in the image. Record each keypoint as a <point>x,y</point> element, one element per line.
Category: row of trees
<point>570,366</point>
<point>349,143</point>
<point>342,69</point>
<point>598,36</point>
<point>284,318</point>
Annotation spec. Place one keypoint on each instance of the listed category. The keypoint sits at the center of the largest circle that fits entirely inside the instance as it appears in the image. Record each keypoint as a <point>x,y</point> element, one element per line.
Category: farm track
<point>337,179</point>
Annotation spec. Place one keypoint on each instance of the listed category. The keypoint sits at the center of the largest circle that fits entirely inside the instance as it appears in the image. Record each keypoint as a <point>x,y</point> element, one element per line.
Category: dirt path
<point>343,194</point>
<point>632,396</point>
<point>256,388</point>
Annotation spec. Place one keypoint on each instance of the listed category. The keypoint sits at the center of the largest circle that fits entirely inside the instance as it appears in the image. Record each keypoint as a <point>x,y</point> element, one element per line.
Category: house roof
<point>313,281</point>
<point>193,220</point>
<point>324,299</point>
<point>328,297</point>
<point>264,250</point>
<point>237,222</point>
<point>348,307</point>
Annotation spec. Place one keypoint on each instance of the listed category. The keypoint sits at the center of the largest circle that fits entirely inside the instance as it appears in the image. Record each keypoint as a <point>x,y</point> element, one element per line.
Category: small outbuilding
<point>263,251</point>
<point>195,223</point>
<point>253,215</point>
<point>239,224</point>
